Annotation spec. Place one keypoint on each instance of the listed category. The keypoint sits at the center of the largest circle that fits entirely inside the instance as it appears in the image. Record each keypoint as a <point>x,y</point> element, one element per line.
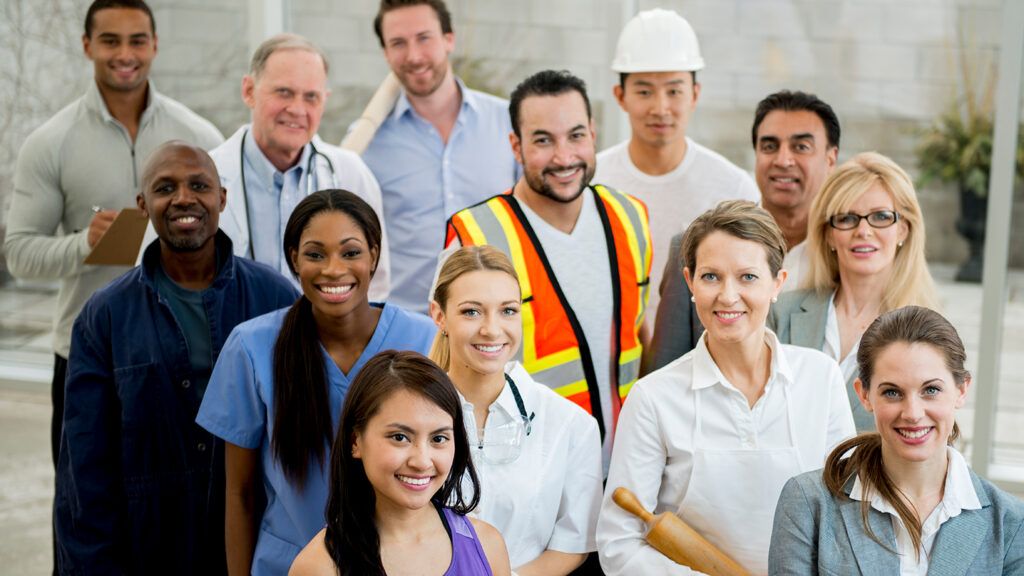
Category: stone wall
<point>886,67</point>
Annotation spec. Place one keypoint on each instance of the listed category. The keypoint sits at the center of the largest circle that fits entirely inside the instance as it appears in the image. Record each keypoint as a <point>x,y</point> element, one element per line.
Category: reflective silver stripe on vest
<point>561,375</point>
<point>488,223</point>
<point>629,372</point>
<point>638,228</point>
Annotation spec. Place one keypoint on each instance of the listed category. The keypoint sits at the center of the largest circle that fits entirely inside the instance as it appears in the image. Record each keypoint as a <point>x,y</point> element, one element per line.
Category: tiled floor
<point>26,474</point>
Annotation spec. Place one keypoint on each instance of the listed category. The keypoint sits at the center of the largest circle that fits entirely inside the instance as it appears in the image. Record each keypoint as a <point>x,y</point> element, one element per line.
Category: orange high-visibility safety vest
<point>554,350</point>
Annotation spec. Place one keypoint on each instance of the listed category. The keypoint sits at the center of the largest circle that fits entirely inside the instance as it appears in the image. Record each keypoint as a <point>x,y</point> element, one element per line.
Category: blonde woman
<point>537,455</point>
<point>866,250</point>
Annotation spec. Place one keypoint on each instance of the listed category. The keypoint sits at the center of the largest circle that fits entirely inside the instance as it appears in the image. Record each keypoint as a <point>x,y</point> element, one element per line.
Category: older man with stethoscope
<point>270,165</point>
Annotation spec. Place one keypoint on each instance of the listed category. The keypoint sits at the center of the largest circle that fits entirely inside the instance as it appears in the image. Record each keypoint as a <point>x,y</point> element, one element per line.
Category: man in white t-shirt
<point>796,143</point>
<point>657,59</point>
<point>582,252</point>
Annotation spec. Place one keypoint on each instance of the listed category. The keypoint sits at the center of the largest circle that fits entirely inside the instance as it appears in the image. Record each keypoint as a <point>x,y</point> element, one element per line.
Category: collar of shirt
<point>832,341</point>
<point>707,374</point>
<point>959,493</point>
<point>264,170</point>
<point>505,404</point>
<point>403,106</point>
<point>94,100</point>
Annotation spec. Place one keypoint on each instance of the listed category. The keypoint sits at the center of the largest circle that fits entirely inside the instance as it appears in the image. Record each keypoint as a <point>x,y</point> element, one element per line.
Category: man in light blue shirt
<point>443,147</point>
<point>271,164</point>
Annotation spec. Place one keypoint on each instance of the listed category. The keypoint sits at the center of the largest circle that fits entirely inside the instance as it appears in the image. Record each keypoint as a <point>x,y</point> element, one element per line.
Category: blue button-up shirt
<point>424,181</point>
<point>140,486</point>
<point>271,195</point>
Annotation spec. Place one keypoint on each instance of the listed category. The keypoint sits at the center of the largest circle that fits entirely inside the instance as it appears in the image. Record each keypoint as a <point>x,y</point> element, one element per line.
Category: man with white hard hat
<point>657,59</point>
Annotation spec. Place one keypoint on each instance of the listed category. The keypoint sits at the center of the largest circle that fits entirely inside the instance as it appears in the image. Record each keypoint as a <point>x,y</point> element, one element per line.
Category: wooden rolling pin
<point>668,534</point>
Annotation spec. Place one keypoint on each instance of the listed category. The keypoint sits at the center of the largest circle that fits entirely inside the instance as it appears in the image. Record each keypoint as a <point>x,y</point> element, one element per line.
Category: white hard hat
<point>657,41</point>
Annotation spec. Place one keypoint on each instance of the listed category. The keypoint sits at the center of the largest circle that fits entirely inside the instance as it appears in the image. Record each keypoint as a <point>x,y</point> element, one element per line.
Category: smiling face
<point>793,159</point>
<point>407,450</point>
<point>287,101</point>
<point>482,321</point>
<point>864,250</point>
<point>914,399</point>
<point>556,146</point>
<point>659,105</point>
<point>416,49</point>
<point>334,263</point>
<point>122,47</point>
<point>182,196</point>
<point>733,287</point>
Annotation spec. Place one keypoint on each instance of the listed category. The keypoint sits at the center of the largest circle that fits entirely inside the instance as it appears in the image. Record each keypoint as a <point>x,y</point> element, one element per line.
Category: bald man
<point>140,487</point>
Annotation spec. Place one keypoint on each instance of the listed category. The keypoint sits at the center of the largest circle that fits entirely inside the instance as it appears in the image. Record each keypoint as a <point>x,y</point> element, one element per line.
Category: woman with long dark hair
<point>901,500</point>
<point>278,385</point>
<point>396,495</point>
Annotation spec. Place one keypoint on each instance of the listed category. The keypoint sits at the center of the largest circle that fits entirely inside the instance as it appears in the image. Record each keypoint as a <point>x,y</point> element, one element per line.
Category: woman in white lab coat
<point>714,435</point>
<point>537,455</point>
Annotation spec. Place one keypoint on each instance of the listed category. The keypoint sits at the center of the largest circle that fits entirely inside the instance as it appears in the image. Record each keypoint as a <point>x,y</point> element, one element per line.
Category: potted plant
<point>957,148</point>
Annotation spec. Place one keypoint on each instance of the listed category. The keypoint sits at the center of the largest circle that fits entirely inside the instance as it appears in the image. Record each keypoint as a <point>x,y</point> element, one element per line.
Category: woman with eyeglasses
<point>537,455</point>
<point>866,248</point>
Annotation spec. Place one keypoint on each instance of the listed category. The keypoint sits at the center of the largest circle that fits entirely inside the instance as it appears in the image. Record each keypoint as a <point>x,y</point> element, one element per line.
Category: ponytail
<point>302,416</point>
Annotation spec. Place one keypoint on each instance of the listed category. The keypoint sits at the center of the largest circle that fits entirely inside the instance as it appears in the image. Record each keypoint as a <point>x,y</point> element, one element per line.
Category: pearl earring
<point>775,299</point>
<point>900,245</point>
<point>693,298</point>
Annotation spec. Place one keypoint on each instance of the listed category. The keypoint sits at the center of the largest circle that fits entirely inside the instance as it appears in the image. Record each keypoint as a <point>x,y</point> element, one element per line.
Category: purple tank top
<point>468,558</point>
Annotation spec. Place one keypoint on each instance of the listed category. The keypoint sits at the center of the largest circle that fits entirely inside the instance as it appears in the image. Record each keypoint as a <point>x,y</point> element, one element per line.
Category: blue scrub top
<point>238,407</point>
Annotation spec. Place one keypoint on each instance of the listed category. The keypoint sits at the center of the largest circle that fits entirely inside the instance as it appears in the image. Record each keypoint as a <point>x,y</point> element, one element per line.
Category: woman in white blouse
<point>537,455</point>
<point>714,435</point>
<point>866,248</point>
<point>901,500</point>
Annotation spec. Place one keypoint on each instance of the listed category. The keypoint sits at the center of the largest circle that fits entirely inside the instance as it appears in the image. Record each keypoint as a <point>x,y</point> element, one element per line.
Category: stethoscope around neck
<point>310,172</point>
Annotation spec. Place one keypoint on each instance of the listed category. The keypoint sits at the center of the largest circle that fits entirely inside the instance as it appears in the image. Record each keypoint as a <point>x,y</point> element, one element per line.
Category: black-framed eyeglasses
<point>849,221</point>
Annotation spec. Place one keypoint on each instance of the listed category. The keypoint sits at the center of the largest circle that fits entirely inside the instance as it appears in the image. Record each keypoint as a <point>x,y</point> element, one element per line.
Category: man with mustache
<point>442,147</point>
<point>269,165</point>
<point>796,143</point>
<point>140,486</point>
<point>582,252</point>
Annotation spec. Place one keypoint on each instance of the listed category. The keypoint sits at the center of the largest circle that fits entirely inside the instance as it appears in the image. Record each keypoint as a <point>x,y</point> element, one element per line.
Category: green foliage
<point>958,148</point>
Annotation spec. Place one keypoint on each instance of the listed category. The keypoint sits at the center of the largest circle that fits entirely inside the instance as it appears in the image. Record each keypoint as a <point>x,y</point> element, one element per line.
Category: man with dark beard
<point>442,147</point>
<point>140,487</point>
<point>582,252</point>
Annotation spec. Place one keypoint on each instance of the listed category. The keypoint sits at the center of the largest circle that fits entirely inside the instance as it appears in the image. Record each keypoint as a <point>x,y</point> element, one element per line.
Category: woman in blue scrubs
<point>276,392</point>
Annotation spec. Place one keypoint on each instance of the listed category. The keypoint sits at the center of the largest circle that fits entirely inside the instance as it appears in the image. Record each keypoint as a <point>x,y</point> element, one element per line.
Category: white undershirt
<point>701,180</point>
<point>794,263</point>
<point>579,261</point>
<point>959,495</point>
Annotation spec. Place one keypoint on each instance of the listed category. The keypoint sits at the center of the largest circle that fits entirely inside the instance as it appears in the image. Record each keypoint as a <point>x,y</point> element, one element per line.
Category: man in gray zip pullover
<point>77,170</point>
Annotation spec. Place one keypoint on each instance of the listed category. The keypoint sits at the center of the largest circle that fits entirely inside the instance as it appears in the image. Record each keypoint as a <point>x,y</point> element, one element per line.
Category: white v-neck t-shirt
<point>579,261</point>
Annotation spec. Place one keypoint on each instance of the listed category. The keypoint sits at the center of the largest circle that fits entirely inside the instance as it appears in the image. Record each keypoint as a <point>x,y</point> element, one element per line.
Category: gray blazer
<point>676,326</point>
<point>799,318</point>
<point>816,533</point>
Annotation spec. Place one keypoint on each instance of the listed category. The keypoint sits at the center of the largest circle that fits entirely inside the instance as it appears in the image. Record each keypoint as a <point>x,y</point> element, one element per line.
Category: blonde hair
<point>462,261</point>
<point>910,282</point>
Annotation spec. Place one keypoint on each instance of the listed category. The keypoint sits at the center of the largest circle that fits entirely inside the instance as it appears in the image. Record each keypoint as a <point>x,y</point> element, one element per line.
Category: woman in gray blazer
<point>865,244</point>
<point>901,500</point>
